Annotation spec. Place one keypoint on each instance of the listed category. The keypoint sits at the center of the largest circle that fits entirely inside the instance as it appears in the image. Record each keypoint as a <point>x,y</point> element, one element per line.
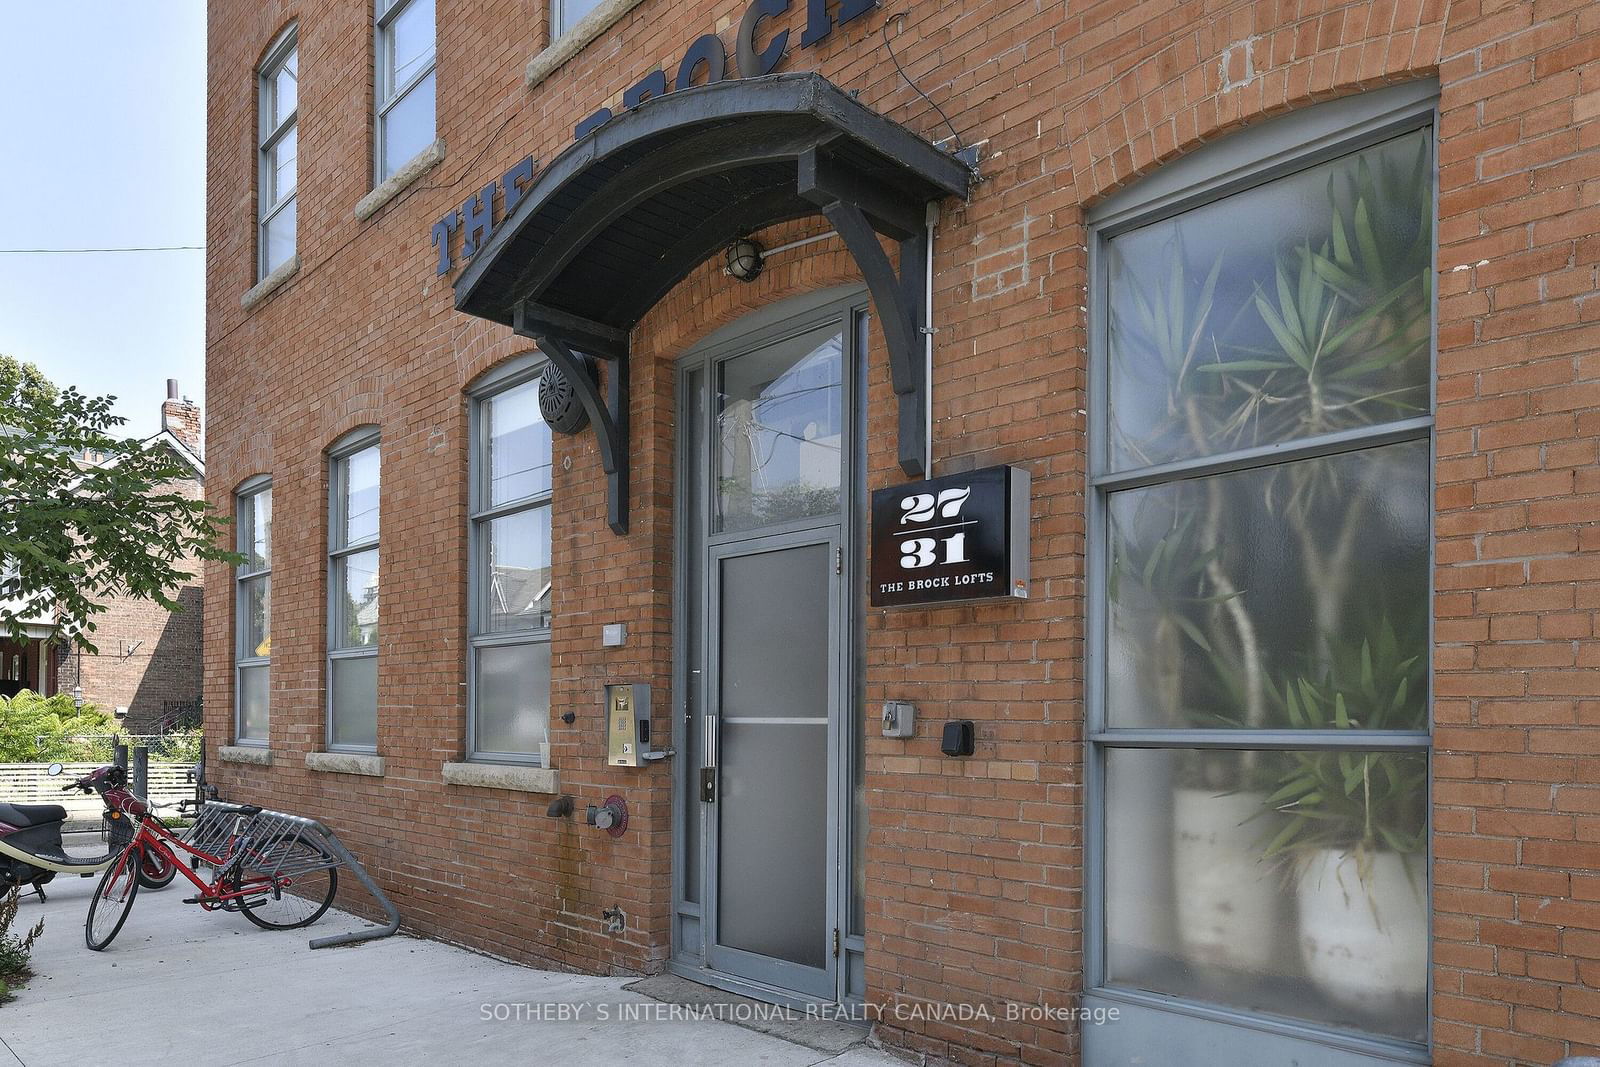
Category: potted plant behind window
<point>1203,659</point>
<point>1355,826</point>
<point>1203,663</point>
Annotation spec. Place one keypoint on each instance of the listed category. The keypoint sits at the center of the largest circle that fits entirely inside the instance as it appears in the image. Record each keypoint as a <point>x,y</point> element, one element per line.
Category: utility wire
<point>86,251</point>
<point>907,79</point>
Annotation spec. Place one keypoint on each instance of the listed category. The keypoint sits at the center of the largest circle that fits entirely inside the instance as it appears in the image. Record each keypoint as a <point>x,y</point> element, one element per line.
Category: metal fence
<point>27,783</point>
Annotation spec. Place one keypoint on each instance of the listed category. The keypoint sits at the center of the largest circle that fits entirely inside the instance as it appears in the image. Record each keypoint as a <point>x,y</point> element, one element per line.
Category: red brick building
<point>148,667</point>
<point>1287,312</point>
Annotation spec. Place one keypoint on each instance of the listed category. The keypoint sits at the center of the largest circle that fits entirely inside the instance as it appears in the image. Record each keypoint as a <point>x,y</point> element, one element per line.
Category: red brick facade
<point>974,880</point>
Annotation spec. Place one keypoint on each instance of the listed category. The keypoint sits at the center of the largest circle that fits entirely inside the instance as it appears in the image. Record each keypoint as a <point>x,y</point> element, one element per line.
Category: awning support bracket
<point>860,210</point>
<point>560,337</point>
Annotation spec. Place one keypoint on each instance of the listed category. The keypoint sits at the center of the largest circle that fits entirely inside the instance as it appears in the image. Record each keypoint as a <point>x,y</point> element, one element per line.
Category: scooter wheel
<point>156,871</point>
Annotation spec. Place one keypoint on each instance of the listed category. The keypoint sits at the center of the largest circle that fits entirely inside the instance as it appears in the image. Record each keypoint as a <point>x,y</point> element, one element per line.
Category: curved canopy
<point>629,210</point>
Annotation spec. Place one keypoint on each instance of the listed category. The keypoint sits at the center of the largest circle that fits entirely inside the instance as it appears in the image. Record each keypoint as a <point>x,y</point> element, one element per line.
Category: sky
<point>104,135</point>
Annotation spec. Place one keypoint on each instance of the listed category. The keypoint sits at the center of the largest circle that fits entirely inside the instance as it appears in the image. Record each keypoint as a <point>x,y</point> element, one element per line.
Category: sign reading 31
<point>955,538</point>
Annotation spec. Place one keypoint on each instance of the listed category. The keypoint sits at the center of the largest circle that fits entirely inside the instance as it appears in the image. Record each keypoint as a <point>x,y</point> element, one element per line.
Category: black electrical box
<point>957,738</point>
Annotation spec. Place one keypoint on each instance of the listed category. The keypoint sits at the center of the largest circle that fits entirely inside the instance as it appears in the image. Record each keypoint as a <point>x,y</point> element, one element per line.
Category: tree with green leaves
<point>75,535</point>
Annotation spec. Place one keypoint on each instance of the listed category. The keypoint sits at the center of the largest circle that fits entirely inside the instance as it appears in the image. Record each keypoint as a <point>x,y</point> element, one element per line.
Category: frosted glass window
<point>1314,317</point>
<point>1217,893</point>
<point>1261,473</point>
<point>1235,598</point>
<point>355,699</point>
<point>512,692</point>
<point>254,704</point>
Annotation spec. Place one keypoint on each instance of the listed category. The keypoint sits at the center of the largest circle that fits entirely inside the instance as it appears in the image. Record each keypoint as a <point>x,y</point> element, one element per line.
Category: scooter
<point>31,851</point>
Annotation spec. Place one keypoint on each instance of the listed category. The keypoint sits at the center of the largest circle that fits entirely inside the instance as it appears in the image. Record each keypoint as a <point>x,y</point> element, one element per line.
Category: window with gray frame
<point>510,567</point>
<point>353,593</point>
<point>406,82</point>
<point>277,96</point>
<point>1260,579</point>
<point>253,612</point>
<point>565,14</point>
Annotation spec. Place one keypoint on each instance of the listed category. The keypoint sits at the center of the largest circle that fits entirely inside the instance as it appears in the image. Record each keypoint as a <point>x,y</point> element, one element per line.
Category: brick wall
<point>974,883</point>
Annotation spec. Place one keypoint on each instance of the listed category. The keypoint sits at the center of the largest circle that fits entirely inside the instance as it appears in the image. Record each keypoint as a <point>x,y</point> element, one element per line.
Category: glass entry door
<point>775,618</point>
<point>766,888</point>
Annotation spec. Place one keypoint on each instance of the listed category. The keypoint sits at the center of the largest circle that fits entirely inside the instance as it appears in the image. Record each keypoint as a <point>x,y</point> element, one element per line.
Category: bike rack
<point>274,837</point>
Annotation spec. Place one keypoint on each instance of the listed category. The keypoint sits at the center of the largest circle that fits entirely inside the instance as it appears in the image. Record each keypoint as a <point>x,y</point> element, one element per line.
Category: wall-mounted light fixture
<point>745,260</point>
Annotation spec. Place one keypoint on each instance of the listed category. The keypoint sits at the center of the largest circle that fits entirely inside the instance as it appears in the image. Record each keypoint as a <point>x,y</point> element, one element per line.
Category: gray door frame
<point>694,952</point>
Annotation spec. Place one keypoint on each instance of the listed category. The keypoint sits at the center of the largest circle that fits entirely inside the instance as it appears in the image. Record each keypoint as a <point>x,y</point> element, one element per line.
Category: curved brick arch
<point>279,18</point>
<point>230,461</point>
<point>1239,68</point>
<point>709,298</point>
<point>353,403</point>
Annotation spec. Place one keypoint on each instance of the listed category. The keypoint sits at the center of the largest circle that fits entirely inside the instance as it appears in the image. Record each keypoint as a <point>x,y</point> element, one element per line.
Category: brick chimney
<point>181,418</point>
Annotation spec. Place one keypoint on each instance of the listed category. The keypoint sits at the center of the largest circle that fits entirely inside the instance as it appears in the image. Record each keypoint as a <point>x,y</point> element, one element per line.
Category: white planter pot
<point>1364,926</point>
<point>1229,905</point>
<point>1140,926</point>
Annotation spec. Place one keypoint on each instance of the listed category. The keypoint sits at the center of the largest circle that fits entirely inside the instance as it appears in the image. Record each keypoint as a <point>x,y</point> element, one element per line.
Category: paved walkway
<point>182,986</point>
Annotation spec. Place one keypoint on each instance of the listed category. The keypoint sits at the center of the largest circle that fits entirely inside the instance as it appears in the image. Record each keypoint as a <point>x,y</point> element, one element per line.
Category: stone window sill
<point>503,776</point>
<point>259,755</point>
<point>397,182</point>
<point>271,283</point>
<point>345,763</point>
<point>575,40</point>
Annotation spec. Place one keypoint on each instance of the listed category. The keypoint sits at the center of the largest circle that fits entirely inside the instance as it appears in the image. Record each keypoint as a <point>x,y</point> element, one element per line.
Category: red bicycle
<point>277,876</point>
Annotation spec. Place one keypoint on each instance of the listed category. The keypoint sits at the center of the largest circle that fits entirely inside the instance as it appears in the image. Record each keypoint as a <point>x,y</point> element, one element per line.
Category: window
<point>565,14</point>
<point>353,595</point>
<point>278,95</point>
<point>1260,580</point>
<point>510,570</point>
<point>253,612</point>
<point>406,43</point>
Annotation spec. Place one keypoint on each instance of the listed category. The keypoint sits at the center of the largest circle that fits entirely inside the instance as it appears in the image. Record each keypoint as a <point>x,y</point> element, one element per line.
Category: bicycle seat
<point>21,815</point>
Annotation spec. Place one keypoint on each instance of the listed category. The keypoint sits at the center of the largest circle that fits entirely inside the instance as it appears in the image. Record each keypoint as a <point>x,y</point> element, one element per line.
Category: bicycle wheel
<point>113,899</point>
<point>156,869</point>
<point>298,894</point>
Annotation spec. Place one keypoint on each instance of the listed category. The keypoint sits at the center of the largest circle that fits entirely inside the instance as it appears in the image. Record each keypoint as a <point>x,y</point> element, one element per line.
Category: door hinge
<point>835,942</point>
<point>838,568</point>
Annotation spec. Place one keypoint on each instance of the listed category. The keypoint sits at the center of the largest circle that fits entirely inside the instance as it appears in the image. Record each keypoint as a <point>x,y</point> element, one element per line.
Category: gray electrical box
<point>899,719</point>
<point>628,725</point>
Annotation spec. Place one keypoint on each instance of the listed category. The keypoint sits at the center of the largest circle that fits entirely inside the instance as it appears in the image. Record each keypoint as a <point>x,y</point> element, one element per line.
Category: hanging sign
<point>950,539</point>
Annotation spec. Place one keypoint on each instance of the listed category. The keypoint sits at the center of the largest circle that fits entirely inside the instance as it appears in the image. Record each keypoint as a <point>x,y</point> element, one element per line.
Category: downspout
<point>932,218</point>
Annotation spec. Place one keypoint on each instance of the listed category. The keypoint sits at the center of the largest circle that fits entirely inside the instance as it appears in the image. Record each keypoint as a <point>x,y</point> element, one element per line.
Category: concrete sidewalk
<point>182,986</point>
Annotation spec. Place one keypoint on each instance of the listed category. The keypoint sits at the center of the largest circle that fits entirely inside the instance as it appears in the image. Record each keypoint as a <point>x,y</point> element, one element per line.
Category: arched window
<point>353,481</point>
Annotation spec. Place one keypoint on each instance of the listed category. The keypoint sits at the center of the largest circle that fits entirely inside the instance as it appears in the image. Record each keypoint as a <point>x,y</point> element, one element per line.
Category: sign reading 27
<point>927,514</point>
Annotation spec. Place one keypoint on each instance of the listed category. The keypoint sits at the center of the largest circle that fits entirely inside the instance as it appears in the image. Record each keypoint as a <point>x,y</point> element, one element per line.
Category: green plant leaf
<point>1286,340</point>
<point>1193,631</point>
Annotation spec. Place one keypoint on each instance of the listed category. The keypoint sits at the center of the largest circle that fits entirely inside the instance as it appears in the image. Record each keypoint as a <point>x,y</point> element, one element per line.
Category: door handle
<point>708,770</point>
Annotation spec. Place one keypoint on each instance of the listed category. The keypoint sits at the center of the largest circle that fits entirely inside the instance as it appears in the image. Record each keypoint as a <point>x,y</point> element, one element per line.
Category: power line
<point>85,251</point>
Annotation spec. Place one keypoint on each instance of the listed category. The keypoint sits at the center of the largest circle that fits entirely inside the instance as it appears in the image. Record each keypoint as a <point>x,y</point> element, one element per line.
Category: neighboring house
<point>148,668</point>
